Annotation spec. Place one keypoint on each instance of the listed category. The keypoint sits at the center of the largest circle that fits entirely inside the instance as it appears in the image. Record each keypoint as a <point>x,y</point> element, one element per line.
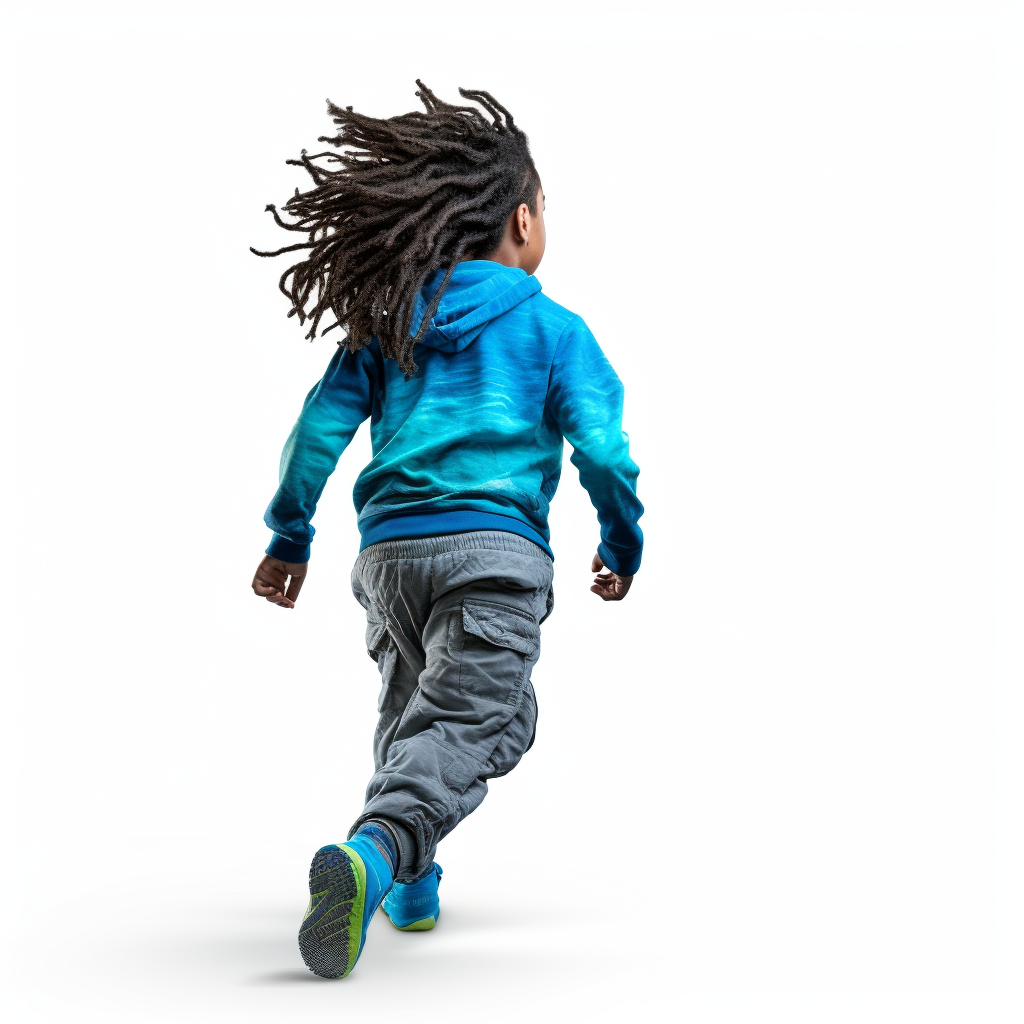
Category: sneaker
<point>346,885</point>
<point>415,907</point>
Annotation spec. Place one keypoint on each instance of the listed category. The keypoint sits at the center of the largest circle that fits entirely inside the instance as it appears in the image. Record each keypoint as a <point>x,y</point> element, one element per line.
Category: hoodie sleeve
<point>585,397</point>
<point>330,417</point>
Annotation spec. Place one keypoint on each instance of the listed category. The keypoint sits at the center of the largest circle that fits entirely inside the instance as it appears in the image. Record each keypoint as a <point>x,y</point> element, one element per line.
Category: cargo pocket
<point>495,643</point>
<point>382,649</point>
<point>516,739</point>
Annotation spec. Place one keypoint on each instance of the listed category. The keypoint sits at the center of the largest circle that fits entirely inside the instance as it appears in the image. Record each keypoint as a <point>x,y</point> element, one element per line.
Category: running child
<point>422,235</point>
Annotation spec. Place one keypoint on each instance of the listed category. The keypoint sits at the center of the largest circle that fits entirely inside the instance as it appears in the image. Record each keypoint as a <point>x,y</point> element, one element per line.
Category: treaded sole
<point>332,927</point>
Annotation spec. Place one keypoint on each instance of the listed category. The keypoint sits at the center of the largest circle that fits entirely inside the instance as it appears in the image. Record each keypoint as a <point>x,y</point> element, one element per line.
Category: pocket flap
<point>501,625</point>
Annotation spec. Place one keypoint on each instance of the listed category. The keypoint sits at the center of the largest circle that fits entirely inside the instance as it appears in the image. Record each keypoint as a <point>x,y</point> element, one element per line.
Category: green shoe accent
<point>423,925</point>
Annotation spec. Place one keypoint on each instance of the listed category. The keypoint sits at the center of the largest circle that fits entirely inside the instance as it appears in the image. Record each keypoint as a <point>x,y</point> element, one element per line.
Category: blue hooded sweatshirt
<point>473,441</point>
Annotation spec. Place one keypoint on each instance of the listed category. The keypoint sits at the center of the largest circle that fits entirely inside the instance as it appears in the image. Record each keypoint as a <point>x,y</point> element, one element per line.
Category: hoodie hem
<point>405,525</point>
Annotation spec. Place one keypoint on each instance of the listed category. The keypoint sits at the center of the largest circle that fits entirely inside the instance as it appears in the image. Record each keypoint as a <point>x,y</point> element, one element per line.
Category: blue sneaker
<point>415,907</point>
<point>346,885</point>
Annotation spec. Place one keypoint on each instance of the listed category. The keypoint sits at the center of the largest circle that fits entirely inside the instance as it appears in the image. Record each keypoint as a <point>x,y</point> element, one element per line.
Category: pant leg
<point>395,596</point>
<point>472,713</point>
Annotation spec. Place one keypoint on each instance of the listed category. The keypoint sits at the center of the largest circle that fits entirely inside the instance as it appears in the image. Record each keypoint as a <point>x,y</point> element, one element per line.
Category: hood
<point>479,291</point>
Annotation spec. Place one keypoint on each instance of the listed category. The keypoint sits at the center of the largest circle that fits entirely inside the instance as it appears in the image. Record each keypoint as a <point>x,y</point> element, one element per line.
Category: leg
<point>348,881</point>
<point>472,714</point>
<point>395,596</point>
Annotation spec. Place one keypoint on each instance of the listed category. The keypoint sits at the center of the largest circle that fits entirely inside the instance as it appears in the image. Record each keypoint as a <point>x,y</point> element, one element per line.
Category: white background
<point>782,781</point>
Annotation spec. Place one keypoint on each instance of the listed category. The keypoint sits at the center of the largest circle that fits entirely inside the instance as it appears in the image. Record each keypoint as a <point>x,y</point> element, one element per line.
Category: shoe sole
<point>332,927</point>
<point>424,924</point>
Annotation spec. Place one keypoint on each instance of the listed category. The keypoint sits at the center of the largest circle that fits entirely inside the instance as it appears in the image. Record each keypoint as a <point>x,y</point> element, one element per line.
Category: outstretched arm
<point>585,397</point>
<point>330,417</point>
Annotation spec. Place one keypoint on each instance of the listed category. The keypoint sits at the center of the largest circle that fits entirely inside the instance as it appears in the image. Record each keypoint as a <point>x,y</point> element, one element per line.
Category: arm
<point>585,398</point>
<point>330,417</point>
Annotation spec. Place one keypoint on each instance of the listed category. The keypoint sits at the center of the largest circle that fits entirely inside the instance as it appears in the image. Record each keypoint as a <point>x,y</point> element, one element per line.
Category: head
<point>401,197</point>
<point>525,238</point>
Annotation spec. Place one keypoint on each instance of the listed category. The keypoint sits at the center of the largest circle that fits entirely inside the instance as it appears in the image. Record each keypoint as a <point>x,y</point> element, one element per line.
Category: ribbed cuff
<point>620,564</point>
<point>284,550</point>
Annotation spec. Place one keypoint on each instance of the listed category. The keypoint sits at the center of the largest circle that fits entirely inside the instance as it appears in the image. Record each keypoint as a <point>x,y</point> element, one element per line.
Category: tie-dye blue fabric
<point>474,439</point>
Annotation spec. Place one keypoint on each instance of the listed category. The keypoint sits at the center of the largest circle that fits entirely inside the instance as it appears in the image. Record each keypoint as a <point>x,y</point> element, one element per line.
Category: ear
<point>522,222</point>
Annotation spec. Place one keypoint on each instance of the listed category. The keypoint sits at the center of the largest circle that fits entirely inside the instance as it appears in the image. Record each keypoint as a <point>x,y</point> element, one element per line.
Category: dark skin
<point>523,247</point>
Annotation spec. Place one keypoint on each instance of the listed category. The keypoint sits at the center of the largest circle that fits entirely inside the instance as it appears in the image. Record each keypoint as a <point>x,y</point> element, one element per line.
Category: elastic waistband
<point>424,547</point>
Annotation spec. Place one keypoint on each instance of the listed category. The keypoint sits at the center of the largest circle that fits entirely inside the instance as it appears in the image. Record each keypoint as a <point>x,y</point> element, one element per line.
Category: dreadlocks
<point>414,193</point>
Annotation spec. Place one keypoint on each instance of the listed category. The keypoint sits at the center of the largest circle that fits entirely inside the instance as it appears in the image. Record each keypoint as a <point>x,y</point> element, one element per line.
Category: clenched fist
<point>279,582</point>
<point>608,586</point>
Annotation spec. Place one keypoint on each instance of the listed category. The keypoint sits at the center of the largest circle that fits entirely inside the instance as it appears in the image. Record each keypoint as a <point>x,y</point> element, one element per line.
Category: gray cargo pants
<point>453,623</point>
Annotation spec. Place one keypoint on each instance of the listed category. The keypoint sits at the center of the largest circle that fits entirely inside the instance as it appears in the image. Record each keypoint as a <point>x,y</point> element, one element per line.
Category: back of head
<point>402,197</point>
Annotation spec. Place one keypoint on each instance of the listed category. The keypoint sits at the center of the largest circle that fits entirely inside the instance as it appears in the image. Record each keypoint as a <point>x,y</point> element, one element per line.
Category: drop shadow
<point>291,976</point>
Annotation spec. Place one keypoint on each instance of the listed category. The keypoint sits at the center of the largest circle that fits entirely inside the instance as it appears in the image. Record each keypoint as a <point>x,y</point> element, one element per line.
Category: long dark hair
<point>406,195</point>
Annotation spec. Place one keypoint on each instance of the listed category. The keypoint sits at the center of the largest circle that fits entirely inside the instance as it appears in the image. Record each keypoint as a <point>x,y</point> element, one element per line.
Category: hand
<point>608,586</point>
<point>271,581</point>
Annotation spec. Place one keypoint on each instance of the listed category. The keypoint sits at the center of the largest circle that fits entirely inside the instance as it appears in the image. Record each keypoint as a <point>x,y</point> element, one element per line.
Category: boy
<point>423,243</point>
